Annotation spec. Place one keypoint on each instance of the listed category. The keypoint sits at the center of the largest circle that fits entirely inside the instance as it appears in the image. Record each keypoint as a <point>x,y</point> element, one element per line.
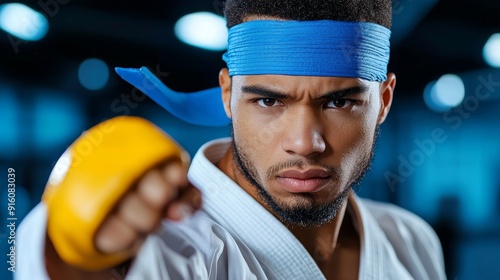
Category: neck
<point>321,241</point>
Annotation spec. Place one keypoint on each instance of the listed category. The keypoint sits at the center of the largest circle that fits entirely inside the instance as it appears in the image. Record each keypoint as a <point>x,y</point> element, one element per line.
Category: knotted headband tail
<point>203,108</point>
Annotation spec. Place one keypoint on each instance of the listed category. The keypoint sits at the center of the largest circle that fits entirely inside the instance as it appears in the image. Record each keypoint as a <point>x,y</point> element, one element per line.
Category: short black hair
<point>375,11</point>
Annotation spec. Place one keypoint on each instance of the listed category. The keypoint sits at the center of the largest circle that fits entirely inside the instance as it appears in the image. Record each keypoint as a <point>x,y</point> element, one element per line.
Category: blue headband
<point>300,48</point>
<point>309,48</point>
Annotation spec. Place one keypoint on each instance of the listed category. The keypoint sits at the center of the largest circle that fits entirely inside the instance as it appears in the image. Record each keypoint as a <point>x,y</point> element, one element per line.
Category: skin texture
<point>299,129</point>
<point>303,131</point>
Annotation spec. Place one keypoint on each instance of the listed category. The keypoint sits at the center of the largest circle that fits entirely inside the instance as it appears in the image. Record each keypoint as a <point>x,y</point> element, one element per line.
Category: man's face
<point>302,142</point>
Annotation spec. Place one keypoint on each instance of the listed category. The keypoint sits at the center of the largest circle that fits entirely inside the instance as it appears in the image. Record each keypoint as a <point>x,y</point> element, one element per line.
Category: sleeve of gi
<point>31,243</point>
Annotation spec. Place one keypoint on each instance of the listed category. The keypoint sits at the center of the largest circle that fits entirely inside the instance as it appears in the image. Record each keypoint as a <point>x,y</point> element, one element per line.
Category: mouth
<point>303,181</point>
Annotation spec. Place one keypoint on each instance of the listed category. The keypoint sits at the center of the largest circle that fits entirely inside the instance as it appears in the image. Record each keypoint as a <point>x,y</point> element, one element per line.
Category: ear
<point>225,85</point>
<point>386,94</point>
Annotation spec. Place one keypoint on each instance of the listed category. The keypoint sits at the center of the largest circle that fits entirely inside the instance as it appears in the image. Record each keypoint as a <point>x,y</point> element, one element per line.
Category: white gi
<point>234,237</point>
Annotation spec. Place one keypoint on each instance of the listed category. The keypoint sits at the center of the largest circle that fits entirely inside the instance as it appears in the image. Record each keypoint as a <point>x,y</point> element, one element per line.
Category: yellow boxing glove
<point>90,178</point>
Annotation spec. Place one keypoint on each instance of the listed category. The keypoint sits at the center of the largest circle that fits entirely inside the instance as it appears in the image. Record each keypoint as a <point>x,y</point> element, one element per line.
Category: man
<point>306,89</point>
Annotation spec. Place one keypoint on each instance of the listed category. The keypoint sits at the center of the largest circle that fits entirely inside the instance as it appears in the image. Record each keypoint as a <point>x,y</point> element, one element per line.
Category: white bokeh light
<point>204,30</point>
<point>445,93</point>
<point>23,22</point>
<point>491,51</point>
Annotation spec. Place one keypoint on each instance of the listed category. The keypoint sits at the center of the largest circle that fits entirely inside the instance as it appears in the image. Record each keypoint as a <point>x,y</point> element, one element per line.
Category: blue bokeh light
<point>58,120</point>
<point>93,74</point>
<point>10,117</point>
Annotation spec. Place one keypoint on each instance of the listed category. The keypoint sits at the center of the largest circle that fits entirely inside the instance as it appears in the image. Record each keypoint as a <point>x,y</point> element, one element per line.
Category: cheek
<point>252,139</point>
<point>258,132</point>
<point>352,138</point>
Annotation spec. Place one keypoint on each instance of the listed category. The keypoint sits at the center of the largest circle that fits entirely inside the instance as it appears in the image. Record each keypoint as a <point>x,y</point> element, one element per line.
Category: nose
<point>303,133</point>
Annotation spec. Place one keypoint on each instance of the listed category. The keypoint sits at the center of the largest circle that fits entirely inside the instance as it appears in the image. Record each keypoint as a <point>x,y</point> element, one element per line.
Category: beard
<point>306,212</point>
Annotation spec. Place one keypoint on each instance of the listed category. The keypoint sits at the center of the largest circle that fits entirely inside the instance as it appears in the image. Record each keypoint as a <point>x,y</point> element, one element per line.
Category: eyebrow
<point>335,94</point>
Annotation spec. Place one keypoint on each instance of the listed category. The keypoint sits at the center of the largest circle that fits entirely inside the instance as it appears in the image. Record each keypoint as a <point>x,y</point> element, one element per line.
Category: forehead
<point>291,84</point>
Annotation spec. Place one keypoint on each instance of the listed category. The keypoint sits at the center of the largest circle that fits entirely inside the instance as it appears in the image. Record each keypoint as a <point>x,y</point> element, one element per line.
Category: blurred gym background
<point>438,155</point>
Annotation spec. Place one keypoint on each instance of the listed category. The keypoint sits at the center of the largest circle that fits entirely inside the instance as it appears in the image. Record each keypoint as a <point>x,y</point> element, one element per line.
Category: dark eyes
<point>339,103</point>
<point>336,103</point>
<point>267,102</point>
